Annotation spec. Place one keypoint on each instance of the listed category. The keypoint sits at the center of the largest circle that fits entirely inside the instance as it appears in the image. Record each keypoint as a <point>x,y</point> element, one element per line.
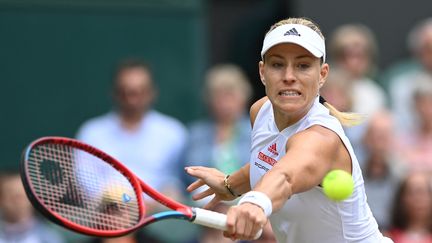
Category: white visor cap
<point>296,34</point>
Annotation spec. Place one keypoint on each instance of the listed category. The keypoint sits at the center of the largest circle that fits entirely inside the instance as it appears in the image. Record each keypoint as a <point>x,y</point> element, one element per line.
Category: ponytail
<point>347,119</point>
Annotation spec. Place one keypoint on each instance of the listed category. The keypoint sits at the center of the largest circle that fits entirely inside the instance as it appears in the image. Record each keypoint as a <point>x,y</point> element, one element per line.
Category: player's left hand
<point>244,221</point>
<point>212,178</point>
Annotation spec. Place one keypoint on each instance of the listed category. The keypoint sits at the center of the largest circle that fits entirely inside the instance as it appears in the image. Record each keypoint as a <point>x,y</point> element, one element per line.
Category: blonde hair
<point>415,36</point>
<point>302,20</point>
<point>348,35</point>
<point>345,118</point>
<point>227,76</point>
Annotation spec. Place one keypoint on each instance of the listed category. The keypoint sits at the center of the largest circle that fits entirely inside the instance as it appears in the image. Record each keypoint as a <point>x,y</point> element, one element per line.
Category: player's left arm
<point>310,155</point>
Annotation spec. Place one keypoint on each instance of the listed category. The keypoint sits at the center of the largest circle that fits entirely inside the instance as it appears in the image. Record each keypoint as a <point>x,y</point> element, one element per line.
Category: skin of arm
<point>310,155</point>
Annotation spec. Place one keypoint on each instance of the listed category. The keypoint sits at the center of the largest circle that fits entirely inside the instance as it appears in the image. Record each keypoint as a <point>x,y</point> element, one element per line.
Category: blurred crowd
<point>393,144</point>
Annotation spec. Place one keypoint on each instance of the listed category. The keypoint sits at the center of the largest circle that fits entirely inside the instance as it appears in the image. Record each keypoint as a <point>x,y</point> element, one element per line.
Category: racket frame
<point>181,211</point>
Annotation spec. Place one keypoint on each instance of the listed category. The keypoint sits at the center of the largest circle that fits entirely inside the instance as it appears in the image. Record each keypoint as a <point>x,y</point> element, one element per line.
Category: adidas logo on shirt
<point>292,31</point>
<point>272,149</point>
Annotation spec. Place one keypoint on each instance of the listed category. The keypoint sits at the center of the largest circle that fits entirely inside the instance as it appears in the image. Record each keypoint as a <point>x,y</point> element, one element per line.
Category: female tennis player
<point>297,138</point>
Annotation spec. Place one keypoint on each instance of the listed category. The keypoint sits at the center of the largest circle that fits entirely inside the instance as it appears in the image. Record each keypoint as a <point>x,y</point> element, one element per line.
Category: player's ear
<point>325,68</point>
<point>261,71</point>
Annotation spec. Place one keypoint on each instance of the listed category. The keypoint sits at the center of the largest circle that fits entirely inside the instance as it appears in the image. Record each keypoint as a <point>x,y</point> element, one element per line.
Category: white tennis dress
<point>310,217</point>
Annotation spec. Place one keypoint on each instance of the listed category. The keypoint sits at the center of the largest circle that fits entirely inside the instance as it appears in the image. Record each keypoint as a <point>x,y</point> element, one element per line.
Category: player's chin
<point>289,107</point>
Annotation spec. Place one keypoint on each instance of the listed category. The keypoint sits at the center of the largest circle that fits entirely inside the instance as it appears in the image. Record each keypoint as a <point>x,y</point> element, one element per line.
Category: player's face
<point>292,77</point>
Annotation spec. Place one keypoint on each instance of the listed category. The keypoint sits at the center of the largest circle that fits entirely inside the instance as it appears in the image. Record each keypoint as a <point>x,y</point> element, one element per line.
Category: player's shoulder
<point>316,134</point>
<point>256,107</point>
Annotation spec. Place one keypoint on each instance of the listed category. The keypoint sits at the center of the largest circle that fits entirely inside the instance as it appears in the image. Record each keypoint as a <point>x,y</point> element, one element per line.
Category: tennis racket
<point>82,188</point>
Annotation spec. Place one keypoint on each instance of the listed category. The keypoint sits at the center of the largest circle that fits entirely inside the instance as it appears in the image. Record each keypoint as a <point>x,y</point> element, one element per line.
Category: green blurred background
<point>57,56</point>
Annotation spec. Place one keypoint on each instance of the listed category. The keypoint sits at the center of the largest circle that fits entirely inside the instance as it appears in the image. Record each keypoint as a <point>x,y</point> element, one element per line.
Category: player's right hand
<point>244,221</point>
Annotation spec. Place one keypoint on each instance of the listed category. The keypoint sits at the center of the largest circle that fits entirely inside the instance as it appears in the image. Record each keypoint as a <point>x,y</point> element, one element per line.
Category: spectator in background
<point>339,91</point>
<point>18,223</point>
<point>416,146</point>
<point>353,48</point>
<point>223,139</point>
<point>412,210</point>
<point>401,83</point>
<point>148,142</point>
<point>379,166</point>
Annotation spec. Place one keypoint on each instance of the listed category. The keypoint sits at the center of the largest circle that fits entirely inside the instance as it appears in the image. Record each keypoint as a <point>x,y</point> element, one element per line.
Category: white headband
<point>296,34</point>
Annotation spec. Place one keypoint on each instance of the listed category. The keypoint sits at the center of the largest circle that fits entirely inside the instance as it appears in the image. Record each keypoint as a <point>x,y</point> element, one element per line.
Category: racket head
<point>82,188</point>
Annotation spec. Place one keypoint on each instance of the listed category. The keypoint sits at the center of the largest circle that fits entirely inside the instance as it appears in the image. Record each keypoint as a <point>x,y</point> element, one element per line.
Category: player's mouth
<point>289,93</point>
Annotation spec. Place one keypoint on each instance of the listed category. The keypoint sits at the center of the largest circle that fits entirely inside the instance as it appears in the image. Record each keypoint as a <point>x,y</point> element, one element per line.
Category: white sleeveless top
<point>310,217</point>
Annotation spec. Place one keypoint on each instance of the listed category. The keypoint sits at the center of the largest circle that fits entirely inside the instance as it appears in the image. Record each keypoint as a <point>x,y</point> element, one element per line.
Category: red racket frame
<point>182,211</point>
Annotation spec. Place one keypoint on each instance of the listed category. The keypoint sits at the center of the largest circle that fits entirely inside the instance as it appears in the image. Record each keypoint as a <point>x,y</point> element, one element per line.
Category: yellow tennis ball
<point>338,185</point>
<point>115,193</point>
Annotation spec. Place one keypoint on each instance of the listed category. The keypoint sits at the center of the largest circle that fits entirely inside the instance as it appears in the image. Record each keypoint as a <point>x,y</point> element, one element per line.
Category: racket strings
<point>82,188</point>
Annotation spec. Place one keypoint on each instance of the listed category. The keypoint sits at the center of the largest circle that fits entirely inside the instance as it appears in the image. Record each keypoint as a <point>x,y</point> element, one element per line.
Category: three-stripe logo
<point>292,31</point>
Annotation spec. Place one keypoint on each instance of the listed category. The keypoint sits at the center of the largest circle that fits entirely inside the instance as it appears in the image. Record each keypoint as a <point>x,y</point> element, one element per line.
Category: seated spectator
<point>18,222</point>
<point>411,220</point>
<point>379,166</point>
<point>416,147</point>
<point>353,49</point>
<point>222,140</point>
<point>148,142</point>
<point>401,86</point>
<point>338,91</point>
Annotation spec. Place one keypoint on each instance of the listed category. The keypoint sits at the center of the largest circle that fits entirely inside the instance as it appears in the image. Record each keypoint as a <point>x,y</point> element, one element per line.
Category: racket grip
<point>213,220</point>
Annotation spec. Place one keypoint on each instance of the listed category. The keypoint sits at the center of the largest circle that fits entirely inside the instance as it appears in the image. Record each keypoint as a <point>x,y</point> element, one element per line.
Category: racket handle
<point>213,220</point>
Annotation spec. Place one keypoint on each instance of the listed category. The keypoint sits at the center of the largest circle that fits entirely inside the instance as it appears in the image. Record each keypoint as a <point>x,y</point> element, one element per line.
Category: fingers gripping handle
<point>213,220</point>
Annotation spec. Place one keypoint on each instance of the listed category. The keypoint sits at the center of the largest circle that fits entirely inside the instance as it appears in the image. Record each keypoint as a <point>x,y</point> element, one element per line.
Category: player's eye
<point>277,64</point>
<point>303,66</point>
